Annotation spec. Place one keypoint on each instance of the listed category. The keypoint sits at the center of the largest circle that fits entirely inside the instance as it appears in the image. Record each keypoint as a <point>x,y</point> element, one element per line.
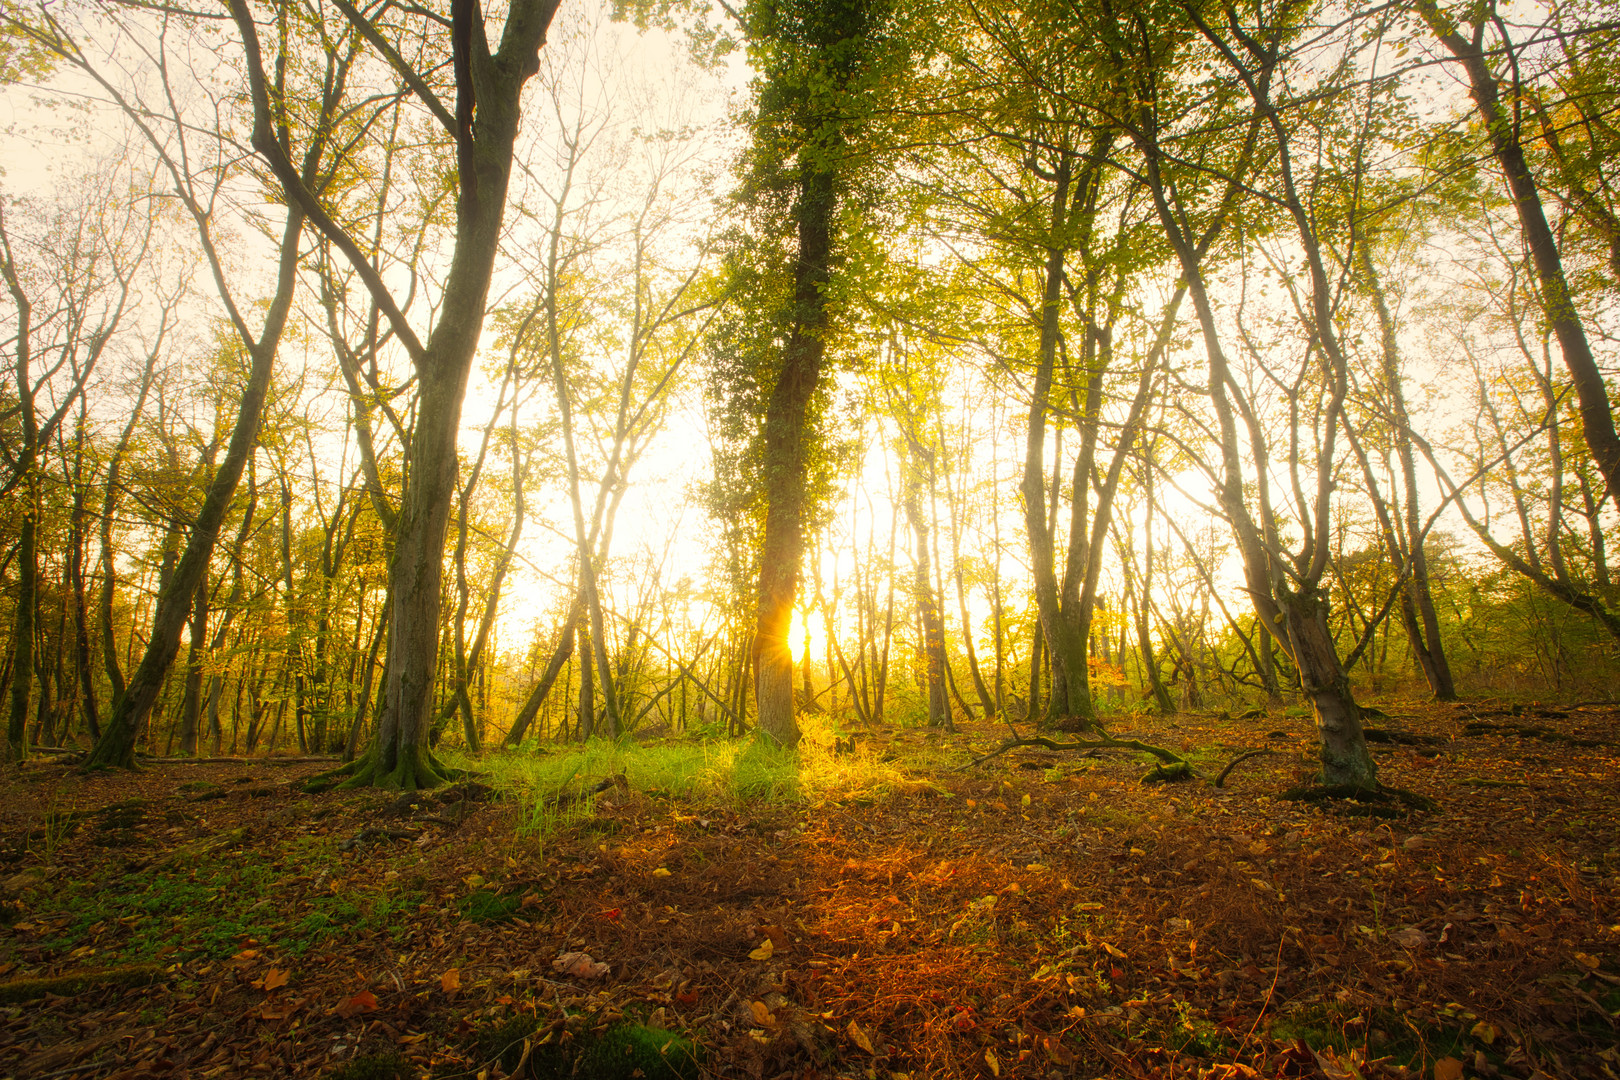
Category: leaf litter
<point>1005,921</point>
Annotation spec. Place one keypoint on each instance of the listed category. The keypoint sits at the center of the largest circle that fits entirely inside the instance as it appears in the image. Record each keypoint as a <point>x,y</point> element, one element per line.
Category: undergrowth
<point>555,789</point>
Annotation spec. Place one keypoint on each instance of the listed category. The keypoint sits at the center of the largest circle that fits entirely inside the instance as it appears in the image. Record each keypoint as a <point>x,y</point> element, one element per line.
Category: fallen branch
<point>377,832</point>
<point>568,798</point>
<point>34,987</point>
<point>1220,781</point>
<point>202,848</point>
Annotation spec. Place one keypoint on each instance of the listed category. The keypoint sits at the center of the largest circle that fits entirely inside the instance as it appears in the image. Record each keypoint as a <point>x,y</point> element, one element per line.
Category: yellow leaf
<point>762,1015</point>
<point>1448,1068</point>
<point>1026,802</point>
<point>1588,961</point>
<point>451,980</point>
<point>1484,1032</point>
<point>473,880</point>
<point>662,871</point>
<point>1111,951</point>
<point>859,1037</point>
<point>993,1062</point>
<point>274,978</point>
<point>766,948</point>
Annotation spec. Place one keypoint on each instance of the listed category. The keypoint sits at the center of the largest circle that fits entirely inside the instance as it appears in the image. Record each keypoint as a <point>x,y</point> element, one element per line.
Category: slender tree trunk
<point>1597,415</point>
<point>116,747</point>
<point>554,667</point>
<point>191,702</point>
<point>932,628</point>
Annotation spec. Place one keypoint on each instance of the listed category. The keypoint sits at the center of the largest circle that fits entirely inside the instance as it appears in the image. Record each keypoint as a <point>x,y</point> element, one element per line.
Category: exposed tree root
<point>1527,731</point>
<point>300,760</point>
<point>1220,781</point>
<point>1169,757</point>
<point>1399,738</point>
<point>1169,774</point>
<point>1377,801</point>
<point>416,770</point>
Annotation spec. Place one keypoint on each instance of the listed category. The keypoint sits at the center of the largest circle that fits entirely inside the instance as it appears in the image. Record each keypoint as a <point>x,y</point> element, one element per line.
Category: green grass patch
<point>555,787</point>
<point>635,1050</point>
<point>209,908</point>
<point>485,906</point>
<point>1384,1032</point>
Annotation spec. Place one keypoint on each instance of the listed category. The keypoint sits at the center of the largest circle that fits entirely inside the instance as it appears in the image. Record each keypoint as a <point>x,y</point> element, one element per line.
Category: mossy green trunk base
<point>414,769</point>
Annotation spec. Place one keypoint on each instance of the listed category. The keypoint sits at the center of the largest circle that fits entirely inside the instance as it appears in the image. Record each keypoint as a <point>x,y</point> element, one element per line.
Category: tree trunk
<point>554,667</point>
<point>116,747</point>
<point>191,702</point>
<point>1597,416</point>
<point>933,643</point>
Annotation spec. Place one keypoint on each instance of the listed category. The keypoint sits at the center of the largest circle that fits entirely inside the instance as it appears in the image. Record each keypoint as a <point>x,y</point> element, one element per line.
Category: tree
<point>821,64</point>
<point>483,128</point>
<point>71,287</point>
<point>1504,130</point>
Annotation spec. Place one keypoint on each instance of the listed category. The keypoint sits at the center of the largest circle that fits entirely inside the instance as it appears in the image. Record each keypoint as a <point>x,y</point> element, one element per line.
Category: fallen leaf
<point>1409,937</point>
<point>764,952</point>
<point>993,1062</point>
<point>1448,1068</point>
<point>364,1001</point>
<point>273,979</point>
<point>859,1037</point>
<point>762,1015</point>
<point>1111,951</point>
<point>450,981</point>
<point>1334,1068</point>
<point>662,871</point>
<point>1060,1054</point>
<point>1484,1032</point>
<point>1588,961</point>
<point>579,965</point>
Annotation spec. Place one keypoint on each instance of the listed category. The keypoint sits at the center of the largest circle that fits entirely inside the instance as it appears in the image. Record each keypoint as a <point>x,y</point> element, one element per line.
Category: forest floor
<point>1042,914</point>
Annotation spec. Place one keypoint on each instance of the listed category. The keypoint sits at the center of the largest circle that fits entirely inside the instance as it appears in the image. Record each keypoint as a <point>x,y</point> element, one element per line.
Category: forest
<point>809,538</point>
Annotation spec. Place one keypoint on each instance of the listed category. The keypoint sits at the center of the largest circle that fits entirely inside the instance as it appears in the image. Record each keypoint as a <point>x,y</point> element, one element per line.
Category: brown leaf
<point>1410,937</point>
<point>1448,1068</point>
<point>273,979</point>
<point>859,1037</point>
<point>579,965</point>
<point>762,1015</point>
<point>364,1001</point>
<point>450,981</point>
